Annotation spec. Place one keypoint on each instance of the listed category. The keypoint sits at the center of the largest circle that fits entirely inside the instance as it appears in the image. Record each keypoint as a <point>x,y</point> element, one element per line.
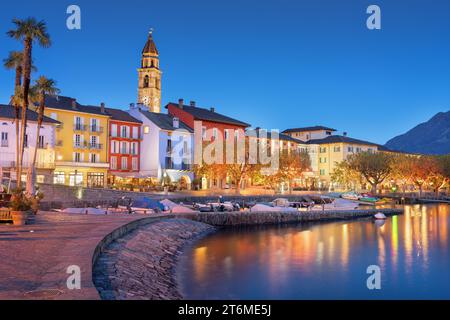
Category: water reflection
<point>325,260</point>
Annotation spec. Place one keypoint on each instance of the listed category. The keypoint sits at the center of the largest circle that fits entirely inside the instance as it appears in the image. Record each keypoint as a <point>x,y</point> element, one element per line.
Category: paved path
<point>35,257</point>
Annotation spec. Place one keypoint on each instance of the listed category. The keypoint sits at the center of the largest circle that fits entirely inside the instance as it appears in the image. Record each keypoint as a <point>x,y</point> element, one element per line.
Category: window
<point>146,129</point>
<point>135,133</point>
<point>93,157</point>
<point>134,148</point>
<point>124,148</point>
<point>41,143</point>
<point>169,147</point>
<point>40,178</point>
<point>350,149</point>
<point>77,142</point>
<point>94,125</point>
<point>146,81</point>
<point>134,164</point>
<point>124,164</point>
<point>370,150</point>
<point>25,143</point>
<point>114,130</point>
<point>358,149</point>
<point>75,179</point>
<point>236,133</point>
<point>226,134</point>
<point>328,133</point>
<point>113,164</point>
<point>204,133</point>
<point>323,150</point>
<point>214,133</point>
<point>322,172</point>
<point>77,157</point>
<point>125,132</point>
<point>94,142</point>
<point>78,123</point>
<point>59,177</point>
<point>95,180</point>
<point>4,139</point>
<point>322,160</point>
<point>337,149</point>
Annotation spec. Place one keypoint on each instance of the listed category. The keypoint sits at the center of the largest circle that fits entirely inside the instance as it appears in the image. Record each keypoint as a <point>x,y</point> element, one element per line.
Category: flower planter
<point>19,217</point>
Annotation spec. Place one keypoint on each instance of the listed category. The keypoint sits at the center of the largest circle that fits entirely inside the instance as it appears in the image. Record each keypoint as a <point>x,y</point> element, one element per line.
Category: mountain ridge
<point>430,137</point>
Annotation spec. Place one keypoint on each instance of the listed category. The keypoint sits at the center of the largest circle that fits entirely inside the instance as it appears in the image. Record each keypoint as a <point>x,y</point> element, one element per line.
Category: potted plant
<point>21,206</point>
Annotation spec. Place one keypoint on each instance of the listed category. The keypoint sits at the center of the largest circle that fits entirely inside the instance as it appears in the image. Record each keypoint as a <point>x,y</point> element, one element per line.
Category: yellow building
<point>81,142</point>
<point>326,150</point>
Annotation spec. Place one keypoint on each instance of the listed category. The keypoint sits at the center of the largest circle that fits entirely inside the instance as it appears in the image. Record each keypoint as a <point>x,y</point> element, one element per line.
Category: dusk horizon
<point>275,66</point>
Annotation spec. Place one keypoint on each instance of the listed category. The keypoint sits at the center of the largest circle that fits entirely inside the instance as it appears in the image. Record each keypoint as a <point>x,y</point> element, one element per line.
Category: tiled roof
<point>150,46</point>
<point>340,139</point>
<point>281,136</point>
<point>8,112</point>
<point>120,115</point>
<point>209,115</point>
<point>164,121</point>
<point>67,103</point>
<point>305,129</point>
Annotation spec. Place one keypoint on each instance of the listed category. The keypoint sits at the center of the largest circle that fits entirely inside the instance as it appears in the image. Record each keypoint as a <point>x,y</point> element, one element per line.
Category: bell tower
<point>149,88</point>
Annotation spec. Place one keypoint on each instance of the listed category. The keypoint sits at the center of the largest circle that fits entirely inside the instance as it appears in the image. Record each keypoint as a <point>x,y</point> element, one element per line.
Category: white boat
<point>380,216</point>
<point>350,195</point>
<point>337,204</point>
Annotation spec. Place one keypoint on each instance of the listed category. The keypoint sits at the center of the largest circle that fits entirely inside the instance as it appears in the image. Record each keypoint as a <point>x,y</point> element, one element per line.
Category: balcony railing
<point>128,136</point>
<point>79,146</point>
<point>4,143</point>
<point>79,127</point>
<point>95,146</point>
<point>96,129</point>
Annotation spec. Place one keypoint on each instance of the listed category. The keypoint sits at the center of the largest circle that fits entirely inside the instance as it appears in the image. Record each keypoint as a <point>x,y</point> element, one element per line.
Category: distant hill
<point>431,137</point>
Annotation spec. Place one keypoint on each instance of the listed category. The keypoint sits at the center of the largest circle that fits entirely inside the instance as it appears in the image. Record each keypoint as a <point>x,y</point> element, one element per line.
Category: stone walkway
<point>141,264</point>
<point>34,258</point>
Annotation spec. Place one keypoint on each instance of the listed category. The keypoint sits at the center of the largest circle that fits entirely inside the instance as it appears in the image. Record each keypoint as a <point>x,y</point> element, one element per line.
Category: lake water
<point>325,260</point>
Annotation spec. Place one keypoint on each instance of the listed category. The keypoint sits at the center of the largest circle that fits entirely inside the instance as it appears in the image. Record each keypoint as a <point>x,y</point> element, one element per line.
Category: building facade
<point>326,150</point>
<point>166,153</point>
<point>81,142</point>
<point>149,74</point>
<point>212,126</point>
<point>45,156</point>
<point>124,140</point>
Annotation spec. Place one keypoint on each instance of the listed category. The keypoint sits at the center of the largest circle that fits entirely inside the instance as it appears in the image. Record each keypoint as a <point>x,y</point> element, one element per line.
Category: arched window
<point>146,81</point>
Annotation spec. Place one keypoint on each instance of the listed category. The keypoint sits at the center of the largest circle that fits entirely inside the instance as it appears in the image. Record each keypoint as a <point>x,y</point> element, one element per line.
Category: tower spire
<point>149,88</point>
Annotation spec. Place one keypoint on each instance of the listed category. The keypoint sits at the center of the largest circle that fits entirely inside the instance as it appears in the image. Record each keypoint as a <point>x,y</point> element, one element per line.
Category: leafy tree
<point>374,167</point>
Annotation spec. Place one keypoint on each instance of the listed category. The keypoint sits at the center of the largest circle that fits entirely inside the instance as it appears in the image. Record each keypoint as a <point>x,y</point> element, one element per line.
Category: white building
<point>166,147</point>
<point>45,158</point>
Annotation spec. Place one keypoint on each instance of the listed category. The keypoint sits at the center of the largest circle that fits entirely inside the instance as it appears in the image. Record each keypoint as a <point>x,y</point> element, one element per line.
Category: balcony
<point>4,143</point>
<point>81,146</point>
<point>96,129</point>
<point>95,146</point>
<point>79,127</point>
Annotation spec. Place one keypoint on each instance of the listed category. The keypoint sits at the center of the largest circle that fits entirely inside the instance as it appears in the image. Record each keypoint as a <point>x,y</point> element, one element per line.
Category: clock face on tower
<point>146,100</point>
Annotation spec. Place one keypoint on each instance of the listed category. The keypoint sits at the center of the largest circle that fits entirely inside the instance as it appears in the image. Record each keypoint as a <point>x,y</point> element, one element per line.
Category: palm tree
<point>15,61</point>
<point>28,31</point>
<point>42,86</point>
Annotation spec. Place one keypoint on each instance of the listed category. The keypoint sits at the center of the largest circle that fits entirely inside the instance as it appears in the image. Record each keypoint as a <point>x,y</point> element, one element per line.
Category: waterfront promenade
<point>34,258</point>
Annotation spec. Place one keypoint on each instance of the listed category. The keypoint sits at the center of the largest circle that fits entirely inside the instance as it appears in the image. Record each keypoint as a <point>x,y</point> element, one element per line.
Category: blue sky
<point>274,64</point>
